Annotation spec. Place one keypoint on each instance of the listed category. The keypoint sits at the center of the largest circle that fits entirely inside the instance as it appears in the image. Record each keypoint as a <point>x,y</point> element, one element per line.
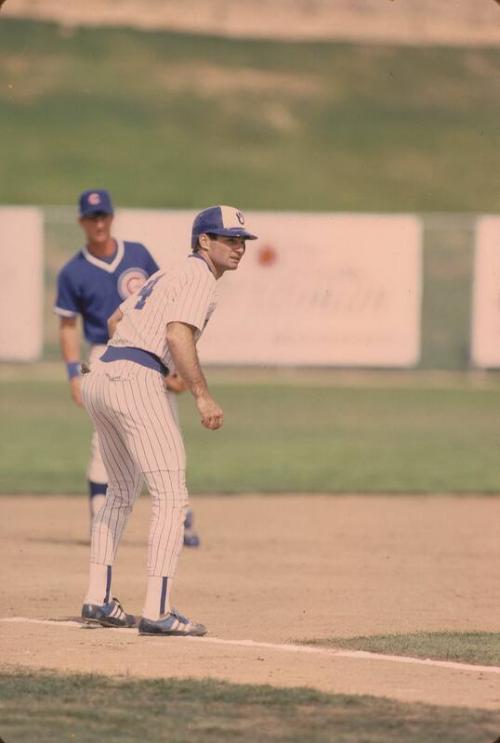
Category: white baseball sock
<point>99,584</point>
<point>157,597</point>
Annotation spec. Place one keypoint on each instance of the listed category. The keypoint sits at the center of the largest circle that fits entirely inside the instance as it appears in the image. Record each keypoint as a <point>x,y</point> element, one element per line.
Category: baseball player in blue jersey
<point>92,285</point>
<point>155,332</point>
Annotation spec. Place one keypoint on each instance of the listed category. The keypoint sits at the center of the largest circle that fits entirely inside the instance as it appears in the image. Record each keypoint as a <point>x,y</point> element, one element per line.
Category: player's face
<point>226,252</point>
<point>97,228</point>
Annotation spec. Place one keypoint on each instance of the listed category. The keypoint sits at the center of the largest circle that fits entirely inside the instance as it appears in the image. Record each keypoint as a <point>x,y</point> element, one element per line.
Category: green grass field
<point>167,119</point>
<point>479,648</point>
<point>280,436</point>
<point>46,707</point>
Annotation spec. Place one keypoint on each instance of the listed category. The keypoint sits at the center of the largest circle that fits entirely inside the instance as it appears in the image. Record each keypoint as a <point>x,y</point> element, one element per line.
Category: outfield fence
<point>445,304</point>
<point>448,256</point>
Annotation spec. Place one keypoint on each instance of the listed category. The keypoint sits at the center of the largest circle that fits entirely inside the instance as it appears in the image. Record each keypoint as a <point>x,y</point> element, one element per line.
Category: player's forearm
<point>183,349</point>
<point>69,340</point>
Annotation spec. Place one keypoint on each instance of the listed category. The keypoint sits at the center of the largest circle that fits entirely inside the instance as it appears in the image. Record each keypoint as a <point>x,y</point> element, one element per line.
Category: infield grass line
<point>284,647</point>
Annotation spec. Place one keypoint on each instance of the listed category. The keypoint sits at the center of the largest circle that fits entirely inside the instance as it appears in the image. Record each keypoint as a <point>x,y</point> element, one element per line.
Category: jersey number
<point>145,292</point>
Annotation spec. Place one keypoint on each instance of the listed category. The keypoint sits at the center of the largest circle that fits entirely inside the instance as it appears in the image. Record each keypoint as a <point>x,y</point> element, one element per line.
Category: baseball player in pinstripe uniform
<point>155,332</point>
<point>92,284</point>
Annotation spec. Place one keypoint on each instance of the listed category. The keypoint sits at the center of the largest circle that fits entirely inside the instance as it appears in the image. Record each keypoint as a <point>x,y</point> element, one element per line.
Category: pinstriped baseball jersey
<point>186,295</point>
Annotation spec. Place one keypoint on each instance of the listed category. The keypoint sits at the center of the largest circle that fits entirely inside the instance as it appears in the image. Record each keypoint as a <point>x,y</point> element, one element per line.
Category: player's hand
<point>211,414</point>
<point>175,383</point>
<point>76,391</point>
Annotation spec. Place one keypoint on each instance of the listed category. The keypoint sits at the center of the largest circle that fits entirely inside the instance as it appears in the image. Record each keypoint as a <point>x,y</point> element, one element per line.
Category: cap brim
<point>95,213</point>
<point>228,232</point>
<point>235,232</point>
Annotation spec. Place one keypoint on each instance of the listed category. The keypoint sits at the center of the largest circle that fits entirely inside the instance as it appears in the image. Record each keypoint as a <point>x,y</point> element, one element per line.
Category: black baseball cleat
<point>172,624</point>
<point>111,614</point>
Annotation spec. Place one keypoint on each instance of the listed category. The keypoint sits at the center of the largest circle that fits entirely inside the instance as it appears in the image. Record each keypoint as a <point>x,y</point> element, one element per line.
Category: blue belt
<point>126,353</point>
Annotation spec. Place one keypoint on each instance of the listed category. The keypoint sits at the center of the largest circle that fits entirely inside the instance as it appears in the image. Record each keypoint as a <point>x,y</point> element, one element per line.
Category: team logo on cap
<point>94,199</point>
<point>240,217</point>
<point>130,281</point>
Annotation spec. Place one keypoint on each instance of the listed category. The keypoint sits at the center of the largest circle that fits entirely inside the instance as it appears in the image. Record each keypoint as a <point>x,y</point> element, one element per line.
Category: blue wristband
<point>73,369</point>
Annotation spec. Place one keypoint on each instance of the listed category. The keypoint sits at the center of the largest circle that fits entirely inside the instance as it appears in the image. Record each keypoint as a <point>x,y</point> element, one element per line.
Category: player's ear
<point>204,240</point>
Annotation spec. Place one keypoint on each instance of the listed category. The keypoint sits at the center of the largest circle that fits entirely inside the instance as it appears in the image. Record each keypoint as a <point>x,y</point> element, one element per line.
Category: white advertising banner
<point>485,342</point>
<point>21,267</point>
<point>314,289</point>
<point>167,234</point>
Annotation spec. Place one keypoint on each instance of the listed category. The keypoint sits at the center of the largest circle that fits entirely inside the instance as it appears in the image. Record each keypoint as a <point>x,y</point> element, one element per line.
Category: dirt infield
<point>274,570</point>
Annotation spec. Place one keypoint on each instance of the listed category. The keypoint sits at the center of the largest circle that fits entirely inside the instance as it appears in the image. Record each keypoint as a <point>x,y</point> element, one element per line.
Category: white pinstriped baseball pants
<point>140,440</point>
<point>96,471</point>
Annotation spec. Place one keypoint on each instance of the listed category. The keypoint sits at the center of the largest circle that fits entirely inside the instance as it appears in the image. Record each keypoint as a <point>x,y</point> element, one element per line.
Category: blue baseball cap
<point>220,220</point>
<point>95,201</point>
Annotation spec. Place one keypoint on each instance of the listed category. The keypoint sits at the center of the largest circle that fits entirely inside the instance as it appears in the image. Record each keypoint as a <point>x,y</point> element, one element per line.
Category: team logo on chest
<point>130,281</point>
